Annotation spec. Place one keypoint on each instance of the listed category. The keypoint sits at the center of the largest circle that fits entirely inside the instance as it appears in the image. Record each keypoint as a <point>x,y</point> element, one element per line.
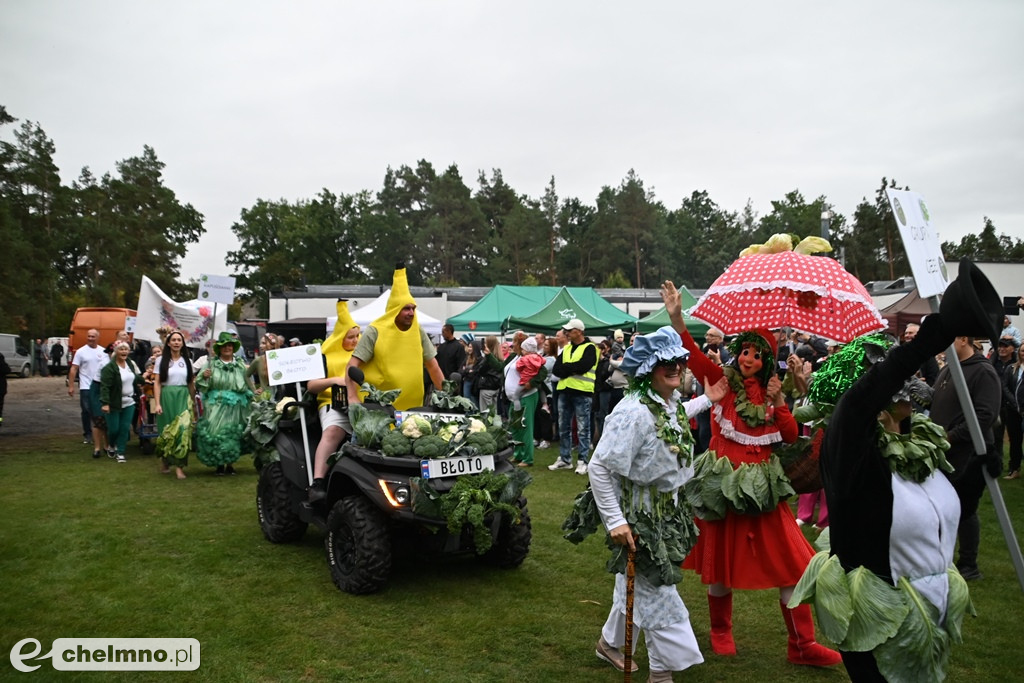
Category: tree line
<point>449,234</point>
<point>83,244</point>
<point>87,243</point>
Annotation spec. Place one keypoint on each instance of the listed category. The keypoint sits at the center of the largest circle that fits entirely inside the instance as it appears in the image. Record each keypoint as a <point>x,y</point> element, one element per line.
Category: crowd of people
<point>193,404</point>
<point>659,413</point>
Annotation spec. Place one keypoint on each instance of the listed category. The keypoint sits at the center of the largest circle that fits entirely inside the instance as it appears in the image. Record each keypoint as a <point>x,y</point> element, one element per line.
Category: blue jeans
<point>570,405</point>
<point>83,403</point>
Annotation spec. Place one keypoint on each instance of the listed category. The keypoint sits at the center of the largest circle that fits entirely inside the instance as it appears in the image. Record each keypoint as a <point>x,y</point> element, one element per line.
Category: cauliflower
<point>449,431</point>
<point>415,426</point>
<point>476,425</point>
<point>282,403</point>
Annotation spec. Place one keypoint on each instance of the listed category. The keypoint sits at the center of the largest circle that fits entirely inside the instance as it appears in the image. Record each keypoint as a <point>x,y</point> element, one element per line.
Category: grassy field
<point>92,548</point>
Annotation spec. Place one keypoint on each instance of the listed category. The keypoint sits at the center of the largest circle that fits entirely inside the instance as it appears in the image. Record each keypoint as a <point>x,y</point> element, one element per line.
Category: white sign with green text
<point>295,364</point>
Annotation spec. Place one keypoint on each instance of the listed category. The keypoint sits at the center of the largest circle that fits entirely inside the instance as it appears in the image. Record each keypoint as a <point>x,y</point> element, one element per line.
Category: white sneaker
<point>120,458</point>
<point>560,464</point>
<point>581,467</point>
<point>543,444</point>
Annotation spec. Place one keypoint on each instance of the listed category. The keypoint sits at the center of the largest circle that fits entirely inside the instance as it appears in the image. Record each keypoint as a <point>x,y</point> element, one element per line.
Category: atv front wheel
<point>279,522</point>
<point>358,546</point>
<point>513,542</point>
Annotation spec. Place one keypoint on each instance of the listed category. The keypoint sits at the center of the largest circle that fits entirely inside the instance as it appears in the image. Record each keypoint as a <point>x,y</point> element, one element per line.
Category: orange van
<point>108,321</point>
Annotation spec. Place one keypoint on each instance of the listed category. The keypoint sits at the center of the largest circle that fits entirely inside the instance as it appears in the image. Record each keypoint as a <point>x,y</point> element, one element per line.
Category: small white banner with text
<point>295,364</point>
<point>218,289</point>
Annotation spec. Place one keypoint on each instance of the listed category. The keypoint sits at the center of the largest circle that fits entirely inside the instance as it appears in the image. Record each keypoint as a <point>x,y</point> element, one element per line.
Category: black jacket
<point>984,387</point>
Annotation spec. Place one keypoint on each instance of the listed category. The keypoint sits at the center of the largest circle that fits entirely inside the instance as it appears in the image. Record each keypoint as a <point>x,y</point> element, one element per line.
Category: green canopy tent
<point>659,318</point>
<point>599,316</point>
<point>502,301</point>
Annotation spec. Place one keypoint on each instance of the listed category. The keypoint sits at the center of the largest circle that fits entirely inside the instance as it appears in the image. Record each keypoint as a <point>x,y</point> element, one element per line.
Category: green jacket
<point>110,383</point>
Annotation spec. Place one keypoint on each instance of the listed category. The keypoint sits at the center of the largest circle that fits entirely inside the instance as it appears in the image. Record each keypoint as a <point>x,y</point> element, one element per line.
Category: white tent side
<point>366,314</point>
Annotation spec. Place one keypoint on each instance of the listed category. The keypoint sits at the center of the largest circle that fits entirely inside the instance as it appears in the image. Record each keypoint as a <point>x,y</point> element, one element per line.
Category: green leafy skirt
<point>861,612</point>
<point>749,489</point>
<point>175,425</point>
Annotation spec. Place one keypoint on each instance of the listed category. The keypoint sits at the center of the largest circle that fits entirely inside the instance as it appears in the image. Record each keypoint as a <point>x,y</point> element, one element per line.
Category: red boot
<point>721,624</point>
<point>802,647</point>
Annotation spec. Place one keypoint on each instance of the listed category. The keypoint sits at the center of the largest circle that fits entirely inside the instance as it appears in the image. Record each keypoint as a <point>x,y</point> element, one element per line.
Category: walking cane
<point>630,580</point>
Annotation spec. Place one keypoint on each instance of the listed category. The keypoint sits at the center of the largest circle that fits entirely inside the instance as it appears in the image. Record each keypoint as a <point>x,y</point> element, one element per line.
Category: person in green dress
<point>173,389</point>
<point>227,396</point>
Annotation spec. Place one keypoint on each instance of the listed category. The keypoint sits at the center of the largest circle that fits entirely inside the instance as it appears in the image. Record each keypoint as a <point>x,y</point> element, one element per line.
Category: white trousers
<point>670,648</point>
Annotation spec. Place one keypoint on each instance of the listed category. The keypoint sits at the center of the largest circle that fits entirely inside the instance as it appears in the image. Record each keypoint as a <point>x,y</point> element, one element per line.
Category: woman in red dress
<point>749,538</point>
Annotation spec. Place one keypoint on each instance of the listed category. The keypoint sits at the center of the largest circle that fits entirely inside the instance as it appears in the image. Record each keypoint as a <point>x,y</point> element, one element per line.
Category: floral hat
<point>647,350</point>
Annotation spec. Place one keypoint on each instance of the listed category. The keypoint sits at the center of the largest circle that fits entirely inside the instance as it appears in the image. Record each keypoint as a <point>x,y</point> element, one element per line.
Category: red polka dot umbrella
<point>814,294</point>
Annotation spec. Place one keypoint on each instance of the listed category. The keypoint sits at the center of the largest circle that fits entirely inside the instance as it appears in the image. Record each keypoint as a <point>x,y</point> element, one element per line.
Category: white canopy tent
<point>366,314</point>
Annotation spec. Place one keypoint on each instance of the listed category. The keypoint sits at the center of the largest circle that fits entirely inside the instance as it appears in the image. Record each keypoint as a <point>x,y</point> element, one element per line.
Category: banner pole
<point>305,434</point>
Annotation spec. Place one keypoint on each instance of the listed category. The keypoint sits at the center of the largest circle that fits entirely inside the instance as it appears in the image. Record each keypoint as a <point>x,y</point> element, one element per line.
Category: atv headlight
<point>397,493</point>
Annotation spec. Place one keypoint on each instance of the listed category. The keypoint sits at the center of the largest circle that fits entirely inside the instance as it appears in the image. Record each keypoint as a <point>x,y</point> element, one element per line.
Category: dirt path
<point>40,405</point>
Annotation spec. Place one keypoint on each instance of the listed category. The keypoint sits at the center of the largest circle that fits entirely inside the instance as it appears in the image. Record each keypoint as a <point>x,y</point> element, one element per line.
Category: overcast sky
<point>746,100</point>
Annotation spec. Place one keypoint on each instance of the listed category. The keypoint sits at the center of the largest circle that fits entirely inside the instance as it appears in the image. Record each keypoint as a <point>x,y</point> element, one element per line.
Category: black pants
<point>862,667</point>
<point>1010,421</point>
<point>969,488</point>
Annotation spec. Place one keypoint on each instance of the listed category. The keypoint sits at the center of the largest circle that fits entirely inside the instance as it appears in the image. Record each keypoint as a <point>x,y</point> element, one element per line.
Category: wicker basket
<point>803,470</point>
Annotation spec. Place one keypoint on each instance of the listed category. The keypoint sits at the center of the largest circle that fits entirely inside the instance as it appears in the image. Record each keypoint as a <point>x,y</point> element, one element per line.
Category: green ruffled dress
<point>175,425</point>
<point>227,398</point>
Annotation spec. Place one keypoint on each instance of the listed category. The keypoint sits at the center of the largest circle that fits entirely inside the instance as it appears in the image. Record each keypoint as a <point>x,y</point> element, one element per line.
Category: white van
<point>16,355</point>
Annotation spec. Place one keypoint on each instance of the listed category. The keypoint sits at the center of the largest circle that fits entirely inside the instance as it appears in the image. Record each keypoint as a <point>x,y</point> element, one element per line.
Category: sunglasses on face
<point>670,363</point>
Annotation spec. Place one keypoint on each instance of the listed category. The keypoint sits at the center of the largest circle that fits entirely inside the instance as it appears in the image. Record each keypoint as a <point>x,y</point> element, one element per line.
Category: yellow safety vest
<point>584,382</point>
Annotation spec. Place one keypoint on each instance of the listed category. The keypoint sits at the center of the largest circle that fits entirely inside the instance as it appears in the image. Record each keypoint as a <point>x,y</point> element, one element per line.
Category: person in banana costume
<point>394,350</point>
<point>334,424</point>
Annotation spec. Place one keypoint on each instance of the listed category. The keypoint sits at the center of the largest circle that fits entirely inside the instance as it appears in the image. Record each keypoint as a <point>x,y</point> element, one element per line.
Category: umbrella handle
<point>630,583</point>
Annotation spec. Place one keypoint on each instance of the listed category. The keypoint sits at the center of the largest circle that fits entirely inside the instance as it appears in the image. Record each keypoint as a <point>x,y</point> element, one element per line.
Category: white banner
<point>193,318</point>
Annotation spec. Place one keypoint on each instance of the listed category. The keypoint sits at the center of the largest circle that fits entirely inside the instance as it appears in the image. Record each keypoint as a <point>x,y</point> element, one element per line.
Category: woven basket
<point>804,472</point>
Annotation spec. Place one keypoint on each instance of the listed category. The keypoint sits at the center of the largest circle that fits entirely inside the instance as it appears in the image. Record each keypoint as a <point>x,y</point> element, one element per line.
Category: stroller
<point>145,425</point>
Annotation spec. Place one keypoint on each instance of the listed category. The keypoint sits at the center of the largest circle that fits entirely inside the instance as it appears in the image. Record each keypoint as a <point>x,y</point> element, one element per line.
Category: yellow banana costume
<point>397,361</point>
<point>334,350</point>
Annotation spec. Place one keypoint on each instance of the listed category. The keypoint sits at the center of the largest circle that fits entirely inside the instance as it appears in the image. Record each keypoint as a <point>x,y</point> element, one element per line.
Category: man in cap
<point>576,366</point>
<point>394,350</point>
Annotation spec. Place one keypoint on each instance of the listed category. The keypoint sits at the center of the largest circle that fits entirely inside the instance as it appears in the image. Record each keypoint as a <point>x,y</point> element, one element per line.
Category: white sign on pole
<point>218,289</point>
<point>295,364</point>
<point>129,323</point>
<point>920,241</point>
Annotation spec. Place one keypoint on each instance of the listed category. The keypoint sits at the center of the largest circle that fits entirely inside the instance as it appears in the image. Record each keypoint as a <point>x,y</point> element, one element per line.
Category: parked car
<point>16,355</point>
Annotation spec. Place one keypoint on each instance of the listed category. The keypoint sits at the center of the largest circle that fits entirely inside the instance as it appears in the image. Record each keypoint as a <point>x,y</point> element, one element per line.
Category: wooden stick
<point>630,581</point>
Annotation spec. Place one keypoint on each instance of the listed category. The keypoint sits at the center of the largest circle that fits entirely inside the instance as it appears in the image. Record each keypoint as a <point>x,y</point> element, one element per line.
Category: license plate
<point>457,466</point>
